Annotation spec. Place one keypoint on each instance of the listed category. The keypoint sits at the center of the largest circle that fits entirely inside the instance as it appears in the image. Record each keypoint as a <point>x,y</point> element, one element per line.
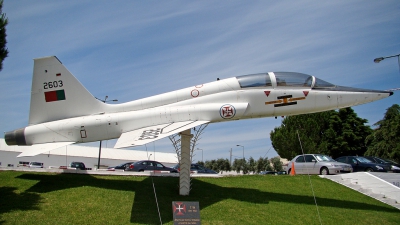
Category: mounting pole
<point>185,163</point>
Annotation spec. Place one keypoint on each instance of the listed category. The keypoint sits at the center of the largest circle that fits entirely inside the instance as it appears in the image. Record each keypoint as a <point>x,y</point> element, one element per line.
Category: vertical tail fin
<point>56,94</point>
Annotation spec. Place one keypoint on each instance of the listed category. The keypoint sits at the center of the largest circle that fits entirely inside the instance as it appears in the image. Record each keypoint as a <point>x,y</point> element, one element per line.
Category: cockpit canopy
<point>282,79</point>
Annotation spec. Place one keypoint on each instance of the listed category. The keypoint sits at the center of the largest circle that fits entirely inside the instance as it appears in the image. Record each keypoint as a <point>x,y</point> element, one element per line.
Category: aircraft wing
<point>152,133</point>
<point>41,148</point>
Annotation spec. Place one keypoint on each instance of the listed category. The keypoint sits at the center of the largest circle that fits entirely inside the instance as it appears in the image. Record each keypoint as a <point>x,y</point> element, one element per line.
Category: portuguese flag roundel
<point>52,96</point>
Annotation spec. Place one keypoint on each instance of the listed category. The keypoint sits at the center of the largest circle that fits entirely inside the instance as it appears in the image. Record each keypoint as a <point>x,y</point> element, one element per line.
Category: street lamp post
<point>243,149</point>
<point>104,101</point>
<point>201,153</point>
<point>377,60</point>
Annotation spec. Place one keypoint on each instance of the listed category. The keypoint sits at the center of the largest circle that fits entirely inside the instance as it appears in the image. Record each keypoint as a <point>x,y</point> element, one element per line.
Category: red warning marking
<point>305,93</point>
<point>195,93</point>
<point>267,93</point>
<point>58,74</point>
<point>199,86</point>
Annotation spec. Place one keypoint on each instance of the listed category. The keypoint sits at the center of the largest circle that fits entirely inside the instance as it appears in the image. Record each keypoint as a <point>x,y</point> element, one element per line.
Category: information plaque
<point>186,213</point>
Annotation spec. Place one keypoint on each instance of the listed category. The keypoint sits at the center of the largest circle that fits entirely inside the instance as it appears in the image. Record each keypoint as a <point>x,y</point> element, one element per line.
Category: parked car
<point>122,166</point>
<point>268,173</point>
<point>148,165</point>
<point>317,164</point>
<point>394,167</point>
<point>36,165</point>
<point>272,172</point>
<point>362,164</point>
<point>194,167</point>
<point>22,163</point>
<point>78,165</point>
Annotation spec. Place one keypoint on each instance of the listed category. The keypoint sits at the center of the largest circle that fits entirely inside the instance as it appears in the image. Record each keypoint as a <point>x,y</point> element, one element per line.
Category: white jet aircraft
<point>63,112</point>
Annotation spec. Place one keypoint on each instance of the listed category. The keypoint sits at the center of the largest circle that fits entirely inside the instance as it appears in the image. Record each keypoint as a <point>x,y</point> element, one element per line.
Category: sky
<point>129,50</point>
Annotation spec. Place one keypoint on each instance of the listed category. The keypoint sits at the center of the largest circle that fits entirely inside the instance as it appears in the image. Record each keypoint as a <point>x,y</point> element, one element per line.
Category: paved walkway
<point>384,187</point>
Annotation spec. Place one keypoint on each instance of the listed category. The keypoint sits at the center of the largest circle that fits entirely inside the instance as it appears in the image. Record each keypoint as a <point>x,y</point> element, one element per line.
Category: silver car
<point>317,164</point>
<point>35,165</point>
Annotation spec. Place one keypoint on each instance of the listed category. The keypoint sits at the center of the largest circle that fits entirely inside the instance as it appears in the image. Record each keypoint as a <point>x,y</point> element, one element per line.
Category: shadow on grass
<point>11,201</point>
<point>144,208</point>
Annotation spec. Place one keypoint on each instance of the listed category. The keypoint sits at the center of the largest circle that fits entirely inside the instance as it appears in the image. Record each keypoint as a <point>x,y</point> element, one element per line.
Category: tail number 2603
<point>53,84</point>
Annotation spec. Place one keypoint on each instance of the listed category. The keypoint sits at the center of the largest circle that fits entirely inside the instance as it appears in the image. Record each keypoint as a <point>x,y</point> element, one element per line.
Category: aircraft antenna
<point>309,178</point>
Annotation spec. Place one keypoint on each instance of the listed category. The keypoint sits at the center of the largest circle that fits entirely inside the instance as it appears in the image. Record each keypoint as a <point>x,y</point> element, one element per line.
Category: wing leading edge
<point>152,133</point>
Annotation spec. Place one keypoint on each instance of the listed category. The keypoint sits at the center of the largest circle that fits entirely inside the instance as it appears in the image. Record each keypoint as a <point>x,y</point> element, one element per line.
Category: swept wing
<point>152,133</point>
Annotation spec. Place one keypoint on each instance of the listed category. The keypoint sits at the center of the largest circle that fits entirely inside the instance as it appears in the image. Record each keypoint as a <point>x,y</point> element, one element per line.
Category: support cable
<point>309,178</point>
<point>154,188</point>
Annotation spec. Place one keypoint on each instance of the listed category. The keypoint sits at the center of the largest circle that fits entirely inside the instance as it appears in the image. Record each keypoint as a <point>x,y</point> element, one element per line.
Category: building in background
<point>88,155</point>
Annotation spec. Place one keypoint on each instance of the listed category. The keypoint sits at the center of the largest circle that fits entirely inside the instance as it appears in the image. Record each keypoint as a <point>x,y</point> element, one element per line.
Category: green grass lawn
<point>49,198</point>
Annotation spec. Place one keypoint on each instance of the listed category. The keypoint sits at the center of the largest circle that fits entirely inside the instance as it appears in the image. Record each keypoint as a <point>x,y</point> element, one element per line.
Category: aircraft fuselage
<point>218,101</point>
<point>76,116</point>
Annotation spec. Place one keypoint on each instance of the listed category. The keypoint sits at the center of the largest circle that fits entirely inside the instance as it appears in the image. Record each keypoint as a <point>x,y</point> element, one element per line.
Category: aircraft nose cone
<point>351,89</point>
<point>349,96</point>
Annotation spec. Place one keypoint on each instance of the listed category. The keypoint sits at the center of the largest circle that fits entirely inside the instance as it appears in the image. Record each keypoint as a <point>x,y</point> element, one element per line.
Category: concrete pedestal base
<point>185,162</point>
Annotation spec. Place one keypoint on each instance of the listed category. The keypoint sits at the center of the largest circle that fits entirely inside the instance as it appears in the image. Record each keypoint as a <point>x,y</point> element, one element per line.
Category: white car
<point>317,164</point>
<point>36,165</point>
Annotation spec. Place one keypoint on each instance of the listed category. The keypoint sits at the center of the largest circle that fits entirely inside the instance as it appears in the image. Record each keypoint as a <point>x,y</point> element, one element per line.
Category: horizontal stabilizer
<point>149,134</point>
<point>41,148</point>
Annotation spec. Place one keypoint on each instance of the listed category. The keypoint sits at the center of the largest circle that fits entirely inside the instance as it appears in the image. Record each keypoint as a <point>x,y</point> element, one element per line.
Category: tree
<point>260,165</point>
<point>200,163</point>
<point>240,165</point>
<point>217,165</point>
<point>3,35</point>
<point>212,165</point>
<point>224,164</point>
<point>246,166</point>
<point>384,141</point>
<point>267,165</point>
<point>263,164</point>
<point>310,128</point>
<point>333,133</point>
<point>252,165</point>
<point>347,134</point>
<point>277,164</point>
<point>237,165</point>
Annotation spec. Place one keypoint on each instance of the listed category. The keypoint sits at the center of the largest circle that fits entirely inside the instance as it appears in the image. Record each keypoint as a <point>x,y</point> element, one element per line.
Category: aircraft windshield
<point>283,79</point>
<point>293,79</point>
<point>322,84</point>
<point>254,80</point>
